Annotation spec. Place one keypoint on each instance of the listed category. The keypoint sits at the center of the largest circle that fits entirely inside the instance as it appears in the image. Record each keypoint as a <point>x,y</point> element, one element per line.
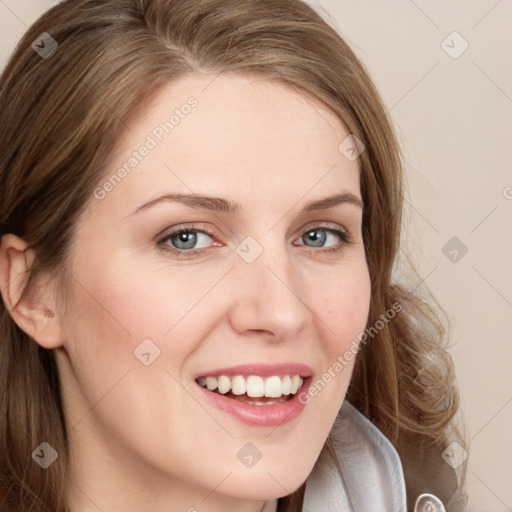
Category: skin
<point>143,437</point>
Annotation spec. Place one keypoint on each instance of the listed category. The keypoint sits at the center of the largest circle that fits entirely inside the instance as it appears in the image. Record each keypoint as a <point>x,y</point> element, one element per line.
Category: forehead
<point>246,136</point>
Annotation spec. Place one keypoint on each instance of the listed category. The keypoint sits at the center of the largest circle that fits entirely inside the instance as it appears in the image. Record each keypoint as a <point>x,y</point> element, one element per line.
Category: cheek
<point>344,308</point>
<point>118,312</point>
<point>121,302</point>
<point>112,309</point>
<point>342,313</point>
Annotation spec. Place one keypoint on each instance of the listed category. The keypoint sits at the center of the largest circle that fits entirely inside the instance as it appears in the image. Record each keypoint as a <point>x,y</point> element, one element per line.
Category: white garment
<point>372,477</point>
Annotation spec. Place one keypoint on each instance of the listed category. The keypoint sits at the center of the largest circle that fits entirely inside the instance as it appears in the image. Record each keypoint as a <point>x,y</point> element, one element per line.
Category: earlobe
<point>27,299</point>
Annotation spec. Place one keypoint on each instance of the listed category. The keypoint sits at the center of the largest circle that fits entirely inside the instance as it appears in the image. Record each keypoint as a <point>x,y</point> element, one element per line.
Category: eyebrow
<point>218,204</point>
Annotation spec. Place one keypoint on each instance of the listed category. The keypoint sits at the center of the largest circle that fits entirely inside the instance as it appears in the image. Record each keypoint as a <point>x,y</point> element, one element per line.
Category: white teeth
<point>273,387</point>
<point>238,385</point>
<point>224,384</point>
<point>254,385</point>
<point>296,384</point>
<point>211,383</point>
<point>287,385</point>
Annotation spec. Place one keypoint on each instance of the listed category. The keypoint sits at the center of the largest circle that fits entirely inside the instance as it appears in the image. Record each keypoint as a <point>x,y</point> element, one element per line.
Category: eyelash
<point>344,235</point>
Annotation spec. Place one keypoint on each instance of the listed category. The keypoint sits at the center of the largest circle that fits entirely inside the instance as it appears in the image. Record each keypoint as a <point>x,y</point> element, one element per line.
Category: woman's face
<point>272,289</point>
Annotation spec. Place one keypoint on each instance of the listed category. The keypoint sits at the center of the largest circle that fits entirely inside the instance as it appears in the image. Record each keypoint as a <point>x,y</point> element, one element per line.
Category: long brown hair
<point>60,116</point>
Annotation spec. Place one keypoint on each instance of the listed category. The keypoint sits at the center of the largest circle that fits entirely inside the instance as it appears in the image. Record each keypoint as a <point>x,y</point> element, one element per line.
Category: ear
<point>31,304</point>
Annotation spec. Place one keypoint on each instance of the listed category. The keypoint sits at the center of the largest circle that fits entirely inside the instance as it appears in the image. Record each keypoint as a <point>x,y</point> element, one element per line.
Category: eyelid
<point>332,226</point>
<point>166,233</point>
<point>324,225</point>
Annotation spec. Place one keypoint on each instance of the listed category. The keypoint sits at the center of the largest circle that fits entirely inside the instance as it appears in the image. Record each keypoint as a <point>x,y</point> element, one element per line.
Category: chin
<point>266,484</point>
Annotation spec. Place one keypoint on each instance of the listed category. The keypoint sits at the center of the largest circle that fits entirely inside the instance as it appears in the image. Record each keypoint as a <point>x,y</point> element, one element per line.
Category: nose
<point>268,295</point>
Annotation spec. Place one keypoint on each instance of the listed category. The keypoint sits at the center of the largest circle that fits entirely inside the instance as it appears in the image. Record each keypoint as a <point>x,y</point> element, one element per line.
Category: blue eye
<point>320,235</point>
<point>182,242</point>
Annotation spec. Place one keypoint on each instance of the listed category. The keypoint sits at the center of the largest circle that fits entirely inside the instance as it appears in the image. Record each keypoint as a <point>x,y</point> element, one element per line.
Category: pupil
<point>187,237</point>
<point>316,235</point>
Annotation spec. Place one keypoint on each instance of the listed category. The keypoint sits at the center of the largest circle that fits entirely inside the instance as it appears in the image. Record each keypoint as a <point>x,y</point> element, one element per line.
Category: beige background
<point>454,119</point>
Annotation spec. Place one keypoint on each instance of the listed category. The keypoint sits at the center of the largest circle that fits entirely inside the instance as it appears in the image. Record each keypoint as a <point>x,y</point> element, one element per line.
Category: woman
<point>200,212</point>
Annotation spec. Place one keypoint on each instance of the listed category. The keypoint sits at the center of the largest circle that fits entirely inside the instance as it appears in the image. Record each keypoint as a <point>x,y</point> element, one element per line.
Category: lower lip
<point>259,415</point>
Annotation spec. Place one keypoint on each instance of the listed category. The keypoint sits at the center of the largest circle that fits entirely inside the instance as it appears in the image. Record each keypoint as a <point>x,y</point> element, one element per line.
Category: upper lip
<point>260,369</point>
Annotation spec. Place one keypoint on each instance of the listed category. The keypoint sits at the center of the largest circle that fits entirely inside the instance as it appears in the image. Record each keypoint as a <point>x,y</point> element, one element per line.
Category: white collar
<point>372,472</point>
<point>372,475</point>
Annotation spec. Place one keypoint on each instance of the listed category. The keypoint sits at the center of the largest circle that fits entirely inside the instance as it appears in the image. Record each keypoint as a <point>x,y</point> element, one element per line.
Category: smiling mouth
<point>253,389</point>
